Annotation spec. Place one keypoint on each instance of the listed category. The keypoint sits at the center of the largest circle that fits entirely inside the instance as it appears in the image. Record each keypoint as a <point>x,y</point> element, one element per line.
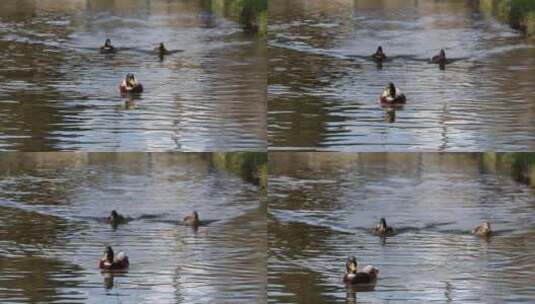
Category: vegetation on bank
<point>520,165</point>
<point>252,166</point>
<point>520,14</point>
<point>251,14</point>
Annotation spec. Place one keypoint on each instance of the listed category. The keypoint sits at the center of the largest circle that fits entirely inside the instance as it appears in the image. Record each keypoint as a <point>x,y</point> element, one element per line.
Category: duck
<point>482,230</point>
<point>392,95</point>
<point>161,50</point>
<point>115,218</point>
<point>107,48</point>
<point>368,275</point>
<point>440,59</point>
<point>130,85</point>
<point>383,229</point>
<point>379,55</point>
<point>192,220</point>
<point>113,262</point>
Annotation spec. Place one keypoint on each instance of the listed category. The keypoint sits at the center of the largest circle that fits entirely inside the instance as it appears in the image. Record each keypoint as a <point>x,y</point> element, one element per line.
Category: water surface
<point>58,93</point>
<point>323,206</point>
<point>52,230</point>
<point>323,87</point>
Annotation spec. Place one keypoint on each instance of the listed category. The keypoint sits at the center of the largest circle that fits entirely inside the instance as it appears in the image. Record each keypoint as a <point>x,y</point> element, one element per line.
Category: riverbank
<point>521,166</point>
<point>249,165</point>
<point>251,14</point>
<point>520,14</point>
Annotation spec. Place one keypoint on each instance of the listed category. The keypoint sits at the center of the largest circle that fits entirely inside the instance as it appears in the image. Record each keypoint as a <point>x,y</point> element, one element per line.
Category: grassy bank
<point>520,14</point>
<point>251,14</point>
<point>521,166</point>
<point>249,165</point>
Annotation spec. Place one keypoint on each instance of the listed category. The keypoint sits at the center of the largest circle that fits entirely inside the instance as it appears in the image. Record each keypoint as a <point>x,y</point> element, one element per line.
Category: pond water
<point>53,230</point>
<point>323,86</point>
<point>58,93</point>
<point>323,207</point>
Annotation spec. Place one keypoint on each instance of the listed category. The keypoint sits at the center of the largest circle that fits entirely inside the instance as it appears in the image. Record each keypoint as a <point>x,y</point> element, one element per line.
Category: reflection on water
<point>58,93</point>
<point>323,85</point>
<point>53,232</point>
<point>323,206</point>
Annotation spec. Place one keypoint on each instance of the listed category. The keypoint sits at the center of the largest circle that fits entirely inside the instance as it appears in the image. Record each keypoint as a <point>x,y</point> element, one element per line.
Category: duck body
<point>107,48</point>
<point>383,229</point>
<point>398,100</point>
<point>115,218</point>
<point>379,55</point>
<point>161,50</point>
<point>483,230</point>
<point>125,89</point>
<point>368,275</point>
<point>113,262</point>
<point>392,96</point>
<point>130,85</point>
<point>440,59</point>
<point>192,220</point>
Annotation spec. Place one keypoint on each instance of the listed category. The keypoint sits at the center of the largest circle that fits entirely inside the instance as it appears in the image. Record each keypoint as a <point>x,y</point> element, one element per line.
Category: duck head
<point>351,265</point>
<point>130,79</point>
<point>392,89</point>
<point>114,214</point>
<point>108,254</point>
<point>195,215</point>
<point>161,47</point>
<point>382,223</point>
<point>442,54</point>
<point>486,227</point>
<point>380,51</point>
<point>107,43</point>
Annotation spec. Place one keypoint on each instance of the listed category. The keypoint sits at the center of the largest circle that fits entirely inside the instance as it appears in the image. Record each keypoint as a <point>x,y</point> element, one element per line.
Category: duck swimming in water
<point>130,85</point>
<point>483,230</point>
<point>161,50</point>
<point>383,229</point>
<point>192,220</point>
<point>115,218</point>
<point>368,275</point>
<point>392,95</point>
<point>379,55</point>
<point>440,59</point>
<point>113,262</point>
<point>107,48</point>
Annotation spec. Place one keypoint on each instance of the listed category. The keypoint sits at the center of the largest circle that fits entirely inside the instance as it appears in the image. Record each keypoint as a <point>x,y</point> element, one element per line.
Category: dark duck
<point>192,219</point>
<point>379,55</point>
<point>107,48</point>
<point>383,229</point>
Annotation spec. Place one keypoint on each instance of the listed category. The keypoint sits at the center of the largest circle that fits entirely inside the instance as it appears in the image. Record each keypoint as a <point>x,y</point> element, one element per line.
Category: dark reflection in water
<point>53,232</point>
<point>323,85</point>
<point>323,206</point>
<point>58,93</point>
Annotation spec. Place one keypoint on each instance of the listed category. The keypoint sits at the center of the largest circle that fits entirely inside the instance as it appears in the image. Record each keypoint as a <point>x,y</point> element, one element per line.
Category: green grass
<point>251,166</point>
<point>520,14</point>
<point>251,14</point>
<point>520,165</point>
